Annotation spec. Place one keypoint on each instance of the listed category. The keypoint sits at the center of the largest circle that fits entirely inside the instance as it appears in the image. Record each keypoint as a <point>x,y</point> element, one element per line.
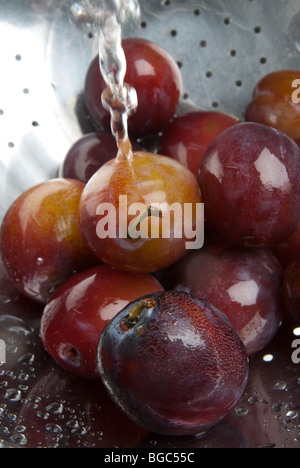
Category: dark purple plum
<point>249,180</point>
<point>174,364</point>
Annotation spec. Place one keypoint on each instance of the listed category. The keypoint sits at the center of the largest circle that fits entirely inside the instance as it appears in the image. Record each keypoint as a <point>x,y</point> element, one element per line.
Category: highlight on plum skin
<point>174,364</point>
<point>249,181</point>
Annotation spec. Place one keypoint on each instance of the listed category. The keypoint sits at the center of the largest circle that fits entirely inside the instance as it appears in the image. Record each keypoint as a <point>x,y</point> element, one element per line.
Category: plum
<point>249,181</point>
<point>41,242</point>
<point>174,364</point>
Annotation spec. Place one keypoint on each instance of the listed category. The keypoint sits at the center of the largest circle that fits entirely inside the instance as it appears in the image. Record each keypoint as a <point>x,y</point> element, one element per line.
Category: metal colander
<point>223,47</point>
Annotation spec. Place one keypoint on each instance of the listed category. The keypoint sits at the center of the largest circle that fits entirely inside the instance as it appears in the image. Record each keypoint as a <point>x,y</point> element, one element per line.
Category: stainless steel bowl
<point>223,48</point>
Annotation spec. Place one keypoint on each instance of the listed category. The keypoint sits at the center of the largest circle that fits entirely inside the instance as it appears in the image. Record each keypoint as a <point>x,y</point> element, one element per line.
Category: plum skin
<point>291,288</point>
<point>179,370</point>
<point>248,179</point>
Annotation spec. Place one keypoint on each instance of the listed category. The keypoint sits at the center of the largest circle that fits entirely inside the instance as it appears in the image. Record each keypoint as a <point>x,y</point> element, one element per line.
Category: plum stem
<point>136,310</point>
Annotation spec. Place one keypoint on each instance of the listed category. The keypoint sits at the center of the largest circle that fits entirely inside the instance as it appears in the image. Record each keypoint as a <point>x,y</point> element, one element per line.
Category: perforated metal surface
<point>223,48</point>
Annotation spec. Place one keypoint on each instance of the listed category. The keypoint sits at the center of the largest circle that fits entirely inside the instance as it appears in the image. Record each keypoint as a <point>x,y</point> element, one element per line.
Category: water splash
<point>120,99</point>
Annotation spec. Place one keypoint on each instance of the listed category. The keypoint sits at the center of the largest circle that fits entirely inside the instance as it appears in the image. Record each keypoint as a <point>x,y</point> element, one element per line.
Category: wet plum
<point>173,363</point>
<point>126,212</point>
<point>41,242</point>
<point>156,78</point>
<point>249,181</point>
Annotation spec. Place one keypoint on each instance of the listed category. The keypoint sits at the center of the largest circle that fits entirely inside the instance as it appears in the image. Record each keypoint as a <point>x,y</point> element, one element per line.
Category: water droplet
<point>27,359</point>
<point>55,408</point>
<point>32,405</point>
<point>55,428</point>
<point>292,414</point>
<point>264,401</point>
<point>252,399</point>
<point>268,357</point>
<point>12,349</point>
<point>39,261</point>
<point>20,428</point>
<point>89,444</point>
<point>276,407</point>
<point>153,442</point>
<point>23,377</point>
<point>19,439</point>
<point>241,411</point>
<point>72,423</point>
<point>42,415</point>
<point>24,388</point>
<point>15,325</point>
<point>79,430</point>
<point>12,394</point>
<point>280,385</point>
